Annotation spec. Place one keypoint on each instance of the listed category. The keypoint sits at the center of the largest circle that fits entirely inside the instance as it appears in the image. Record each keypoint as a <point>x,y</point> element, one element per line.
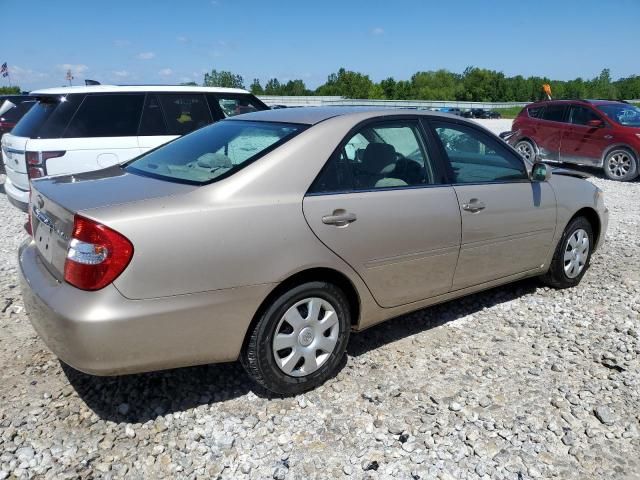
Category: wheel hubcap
<point>619,164</point>
<point>305,337</point>
<point>576,253</point>
<point>525,150</point>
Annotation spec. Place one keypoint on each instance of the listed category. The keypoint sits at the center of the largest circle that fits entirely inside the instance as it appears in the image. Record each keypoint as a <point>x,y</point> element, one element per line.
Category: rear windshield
<point>213,152</point>
<point>48,118</point>
<point>16,113</point>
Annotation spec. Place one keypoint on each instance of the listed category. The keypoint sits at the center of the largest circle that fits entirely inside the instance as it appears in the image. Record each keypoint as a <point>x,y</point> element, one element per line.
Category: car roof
<point>576,101</point>
<point>313,115</point>
<point>134,88</point>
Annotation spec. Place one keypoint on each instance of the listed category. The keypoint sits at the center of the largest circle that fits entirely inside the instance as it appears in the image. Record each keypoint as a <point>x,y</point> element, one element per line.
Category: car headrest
<point>377,156</point>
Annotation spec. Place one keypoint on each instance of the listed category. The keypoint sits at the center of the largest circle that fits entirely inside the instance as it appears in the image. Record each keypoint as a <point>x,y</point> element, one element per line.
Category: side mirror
<point>595,123</point>
<point>540,172</point>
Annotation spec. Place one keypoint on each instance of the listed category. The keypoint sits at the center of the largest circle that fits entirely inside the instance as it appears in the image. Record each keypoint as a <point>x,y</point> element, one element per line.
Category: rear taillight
<point>96,255</point>
<point>37,162</point>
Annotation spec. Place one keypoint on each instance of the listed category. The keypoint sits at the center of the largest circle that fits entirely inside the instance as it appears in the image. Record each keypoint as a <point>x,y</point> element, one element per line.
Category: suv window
<point>107,116</point>
<point>16,113</point>
<point>152,121</point>
<point>554,113</point>
<point>535,112</point>
<point>582,115</point>
<point>475,157</point>
<point>381,155</point>
<point>48,118</point>
<point>185,113</point>
<point>232,105</point>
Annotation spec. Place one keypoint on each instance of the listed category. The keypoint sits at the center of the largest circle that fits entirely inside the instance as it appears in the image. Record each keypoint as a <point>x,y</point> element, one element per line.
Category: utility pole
<point>69,77</point>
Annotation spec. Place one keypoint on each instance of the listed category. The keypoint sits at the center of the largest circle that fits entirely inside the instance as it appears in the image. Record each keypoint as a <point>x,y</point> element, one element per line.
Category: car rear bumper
<point>104,333</point>
<point>17,197</point>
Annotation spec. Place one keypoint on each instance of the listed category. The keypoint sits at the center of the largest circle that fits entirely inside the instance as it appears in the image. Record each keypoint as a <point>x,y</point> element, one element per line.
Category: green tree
<point>256,88</point>
<point>295,88</point>
<point>223,78</point>
<point>347,84</point>
<point>388,86</point>
<point>10,90</point>
<point>189,84</point>
<point>435,85</point>
<point>273,87</point>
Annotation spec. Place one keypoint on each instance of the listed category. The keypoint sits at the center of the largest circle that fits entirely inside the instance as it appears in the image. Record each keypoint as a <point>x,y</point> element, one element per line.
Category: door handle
<point>339,218</point>
<point>474,206</point>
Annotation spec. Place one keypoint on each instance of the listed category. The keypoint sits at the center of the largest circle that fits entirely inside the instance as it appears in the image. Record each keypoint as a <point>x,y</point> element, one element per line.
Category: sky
<point>168,42</point>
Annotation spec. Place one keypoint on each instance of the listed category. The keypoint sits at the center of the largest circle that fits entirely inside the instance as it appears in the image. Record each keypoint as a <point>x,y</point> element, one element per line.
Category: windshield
<point>623,113</point>
<point>214,151</point>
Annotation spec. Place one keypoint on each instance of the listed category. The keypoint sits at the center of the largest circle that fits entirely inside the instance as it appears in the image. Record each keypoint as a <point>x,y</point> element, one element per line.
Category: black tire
<point>621,173</point>
<point>556,276</point>
<point>258,357</point>
<point>527,150</point>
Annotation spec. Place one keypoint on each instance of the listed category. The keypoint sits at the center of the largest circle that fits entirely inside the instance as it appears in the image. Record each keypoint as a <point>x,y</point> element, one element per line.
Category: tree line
<point>474,84</point>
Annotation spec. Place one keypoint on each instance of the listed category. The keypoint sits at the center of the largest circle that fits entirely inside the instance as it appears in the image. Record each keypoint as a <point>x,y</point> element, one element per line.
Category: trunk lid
<point>13,156</point>
<point>56,200</point>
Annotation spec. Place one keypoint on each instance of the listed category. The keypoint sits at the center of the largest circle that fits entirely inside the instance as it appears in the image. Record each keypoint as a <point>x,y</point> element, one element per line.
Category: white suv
<point>79,129</point>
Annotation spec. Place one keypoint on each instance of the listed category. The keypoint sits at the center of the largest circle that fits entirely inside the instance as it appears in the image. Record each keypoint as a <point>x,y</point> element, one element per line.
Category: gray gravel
<point>517,382</point>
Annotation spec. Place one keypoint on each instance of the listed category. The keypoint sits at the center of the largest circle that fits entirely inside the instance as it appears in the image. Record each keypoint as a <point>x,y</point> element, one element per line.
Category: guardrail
<point>304,101</point>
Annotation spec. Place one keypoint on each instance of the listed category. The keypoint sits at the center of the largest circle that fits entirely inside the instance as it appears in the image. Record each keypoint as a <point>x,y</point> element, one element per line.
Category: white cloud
<point>121,74</point>
<point>165,72</point>
<point>121,43</point>
<point>20,74</point>
<point>377,31</point>
<point>76,69</point>
<point>146,55</point>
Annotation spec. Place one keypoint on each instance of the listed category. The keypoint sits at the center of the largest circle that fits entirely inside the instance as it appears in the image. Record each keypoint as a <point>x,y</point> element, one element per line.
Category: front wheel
<point>620,165</point>
<point>572,256</point>
<point>300,339</point>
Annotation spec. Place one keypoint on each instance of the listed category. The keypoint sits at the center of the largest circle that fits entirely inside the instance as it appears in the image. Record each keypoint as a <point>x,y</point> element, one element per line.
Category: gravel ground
<point>517,382</point>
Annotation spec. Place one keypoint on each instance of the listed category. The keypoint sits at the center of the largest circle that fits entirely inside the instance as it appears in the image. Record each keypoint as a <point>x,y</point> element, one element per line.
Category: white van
<point>79,129</point>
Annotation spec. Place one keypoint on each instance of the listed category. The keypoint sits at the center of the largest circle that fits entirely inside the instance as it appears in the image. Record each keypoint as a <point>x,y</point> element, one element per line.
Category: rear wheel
<point>620,164</point>
<point>300,339</point>
<point>571,258</point>
<point>526,149</point>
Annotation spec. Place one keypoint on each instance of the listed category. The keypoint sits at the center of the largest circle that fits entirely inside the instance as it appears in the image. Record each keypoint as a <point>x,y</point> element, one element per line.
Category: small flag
<point>4,70</point>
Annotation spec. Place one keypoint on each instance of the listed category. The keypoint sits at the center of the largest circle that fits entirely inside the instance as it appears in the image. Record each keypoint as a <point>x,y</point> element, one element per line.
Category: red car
<point>595,133</point>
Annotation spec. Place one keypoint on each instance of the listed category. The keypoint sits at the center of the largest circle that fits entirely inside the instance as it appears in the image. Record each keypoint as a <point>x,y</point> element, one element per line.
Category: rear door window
<point>107,116</point>
<point>535,112</point>
<point>152,121</point>
<point>185,113</point>
<point>49,117</point>
<point>555,113</point>
<point>381,155</point>
<point>232,105</point>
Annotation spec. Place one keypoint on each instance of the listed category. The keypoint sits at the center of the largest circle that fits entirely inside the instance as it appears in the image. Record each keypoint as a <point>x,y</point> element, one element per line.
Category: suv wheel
<point>526,149</point>
<point>620,164</point>
<point>300,339</point>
